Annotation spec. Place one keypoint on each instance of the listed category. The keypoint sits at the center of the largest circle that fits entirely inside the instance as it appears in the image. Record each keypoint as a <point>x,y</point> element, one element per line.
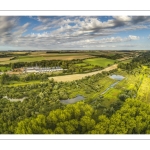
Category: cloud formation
<point>71,32</point>
<point>7,23</point>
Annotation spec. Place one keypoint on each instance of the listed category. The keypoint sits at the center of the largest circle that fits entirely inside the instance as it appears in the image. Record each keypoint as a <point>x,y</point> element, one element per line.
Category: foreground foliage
<point>80,118</point>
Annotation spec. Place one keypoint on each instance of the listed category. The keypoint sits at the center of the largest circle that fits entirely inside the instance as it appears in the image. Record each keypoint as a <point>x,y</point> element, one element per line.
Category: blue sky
<point>74,33</point>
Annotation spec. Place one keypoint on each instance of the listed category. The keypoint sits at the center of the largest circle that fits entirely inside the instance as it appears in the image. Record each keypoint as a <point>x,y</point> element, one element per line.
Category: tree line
<point>114,57</point>
<point>137,62</point>
<point>6,78</point>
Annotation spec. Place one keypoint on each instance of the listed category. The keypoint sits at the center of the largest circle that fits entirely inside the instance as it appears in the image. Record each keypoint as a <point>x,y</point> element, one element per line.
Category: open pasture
<point>126,61</point>
<point>4,68</point>
<point>102,62</point>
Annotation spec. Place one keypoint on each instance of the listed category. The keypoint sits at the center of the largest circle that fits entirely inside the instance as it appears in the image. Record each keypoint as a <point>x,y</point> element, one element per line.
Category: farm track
<point>80,76</point>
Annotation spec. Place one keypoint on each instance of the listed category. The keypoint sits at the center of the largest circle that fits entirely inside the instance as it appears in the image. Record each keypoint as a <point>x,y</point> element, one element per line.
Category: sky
<point>74,33</point>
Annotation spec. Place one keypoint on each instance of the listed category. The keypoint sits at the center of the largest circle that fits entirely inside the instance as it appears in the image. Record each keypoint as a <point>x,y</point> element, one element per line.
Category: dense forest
<point>81,118</point>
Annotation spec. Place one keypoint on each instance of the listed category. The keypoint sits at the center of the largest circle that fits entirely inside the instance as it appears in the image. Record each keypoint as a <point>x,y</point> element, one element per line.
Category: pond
<point>14,99</point>
<point>117,77</point>
<point>73,100</point>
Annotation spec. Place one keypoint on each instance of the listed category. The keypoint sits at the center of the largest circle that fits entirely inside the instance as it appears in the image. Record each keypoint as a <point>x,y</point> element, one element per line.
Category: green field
<point>24,59</point>
<point>19,83</point>
<point>126,61</point>
<point>4,68</point>
<point>81,64</point>
<point>102,62</point>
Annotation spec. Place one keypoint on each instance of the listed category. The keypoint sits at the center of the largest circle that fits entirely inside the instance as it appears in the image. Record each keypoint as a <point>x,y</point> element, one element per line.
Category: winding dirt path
<point>80,76</point>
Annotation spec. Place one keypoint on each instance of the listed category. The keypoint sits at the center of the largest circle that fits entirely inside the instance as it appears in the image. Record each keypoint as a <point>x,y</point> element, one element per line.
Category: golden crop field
<point>71,57</point>
<point>5,59</point>
<point>18,52</point>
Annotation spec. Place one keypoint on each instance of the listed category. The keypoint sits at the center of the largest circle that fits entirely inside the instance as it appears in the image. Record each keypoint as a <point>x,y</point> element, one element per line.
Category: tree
<point>123,97</point>
<point>69,127</point>
<point>59,130</point>
<point>12,66</point>
<point>87,124</point>
<point>4,78</point>
<point>102,126</point>
<point>24,127</point>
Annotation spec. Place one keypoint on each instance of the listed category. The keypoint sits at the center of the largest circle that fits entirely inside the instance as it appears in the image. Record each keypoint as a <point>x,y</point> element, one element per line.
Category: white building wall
<point>37,69</point>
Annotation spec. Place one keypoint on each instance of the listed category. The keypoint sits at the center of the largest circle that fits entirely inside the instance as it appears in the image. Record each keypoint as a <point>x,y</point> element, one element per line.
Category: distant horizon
<point>74,32</point>
<point>78,50</point>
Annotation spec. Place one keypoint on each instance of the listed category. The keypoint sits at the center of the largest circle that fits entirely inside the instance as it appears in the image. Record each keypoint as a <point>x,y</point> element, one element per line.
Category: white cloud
<point>37,35</point>
<point>111,40</point>
<point>133,37</point>
<point>57,22</point>
<point>122,18</point>
<point>19,30</point>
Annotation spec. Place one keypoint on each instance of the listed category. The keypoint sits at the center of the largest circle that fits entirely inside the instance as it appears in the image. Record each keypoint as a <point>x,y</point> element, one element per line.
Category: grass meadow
<point>102,62</point>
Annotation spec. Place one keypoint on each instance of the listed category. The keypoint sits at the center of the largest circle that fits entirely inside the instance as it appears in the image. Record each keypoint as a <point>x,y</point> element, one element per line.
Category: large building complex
<point>41,69</point>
